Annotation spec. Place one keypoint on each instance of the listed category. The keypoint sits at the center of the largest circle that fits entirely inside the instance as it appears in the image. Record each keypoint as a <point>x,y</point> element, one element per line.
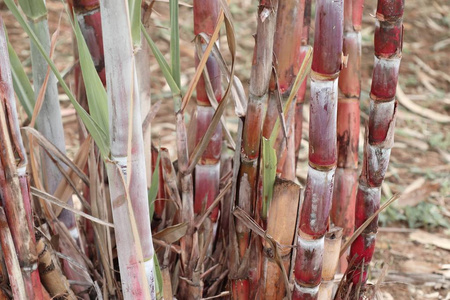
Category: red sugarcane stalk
<point>248,173</point>
<point>379,131</point>
<point>344,194</point>
<point>286,51</point>
<point>13,179</point>
<point>207,171</point>
<point>322,148</point>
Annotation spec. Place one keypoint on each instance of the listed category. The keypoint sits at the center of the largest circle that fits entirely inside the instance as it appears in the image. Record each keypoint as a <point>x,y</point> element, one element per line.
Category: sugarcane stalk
<point>16,280</point>
<point>258,94</point>
<point>126,169</point>
<point>207,171</point>
<point>286,51</point>
<point>13,179</point>
<point>49,120</point>
<point>281,225</point>
<point>379,137</point>
<point>332,249</point>
<point>344,194</point>
<point>322,148</point>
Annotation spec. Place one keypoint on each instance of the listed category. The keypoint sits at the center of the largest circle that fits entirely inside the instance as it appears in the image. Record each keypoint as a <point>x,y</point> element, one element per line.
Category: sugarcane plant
<point>379,137</point>
<point>348,123</point>
<point>228,217</point>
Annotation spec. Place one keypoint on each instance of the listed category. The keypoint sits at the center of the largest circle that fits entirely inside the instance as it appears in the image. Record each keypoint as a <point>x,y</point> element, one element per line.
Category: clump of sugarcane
<point>16,214</point>
<point>344,193</point>
<point>322,148</point>
<point>251,137</point>
<point>379,137</point>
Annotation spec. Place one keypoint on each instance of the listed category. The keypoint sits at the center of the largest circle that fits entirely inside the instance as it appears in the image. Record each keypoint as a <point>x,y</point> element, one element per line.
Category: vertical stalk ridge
<point>126,169</point>
<point>348,121</point>
<point>251,138</point>
<point>13,179</point>
<point>379,137</point>
<point>322,148</point>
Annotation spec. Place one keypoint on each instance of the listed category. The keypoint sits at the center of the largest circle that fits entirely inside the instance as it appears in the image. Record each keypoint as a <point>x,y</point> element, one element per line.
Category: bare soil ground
<point>418,258</point>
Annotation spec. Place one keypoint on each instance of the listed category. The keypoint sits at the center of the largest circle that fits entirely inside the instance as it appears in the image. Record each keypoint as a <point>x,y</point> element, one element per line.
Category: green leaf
<point>21,82</point>
<point>135,21</point>
<point>95,91</point>
<point>94,129</point>
<point>153,192</point>
<point>158,278</point>
<point>175,41</point>
<point>33,9</point>
<point>174,87</point>
<point>269,171</point>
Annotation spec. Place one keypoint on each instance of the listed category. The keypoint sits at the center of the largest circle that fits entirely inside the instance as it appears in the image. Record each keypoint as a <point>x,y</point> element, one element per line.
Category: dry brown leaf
<point>426,238</point>
<point>416,192</point>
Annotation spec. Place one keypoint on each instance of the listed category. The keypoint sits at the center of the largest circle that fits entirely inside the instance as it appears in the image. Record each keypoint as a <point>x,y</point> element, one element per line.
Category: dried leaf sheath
<point>379,131</point>
<point>322,148</point>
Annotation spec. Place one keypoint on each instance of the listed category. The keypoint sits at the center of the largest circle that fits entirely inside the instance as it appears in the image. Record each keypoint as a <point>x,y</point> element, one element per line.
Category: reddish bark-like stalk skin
<point>251,137</point>
<point>322,148</point>
<point>344,197</point>
<point>322,130</point>
<point>379,132</point>
<point>348,133</point>
<point>13,183</point>
<point>328,38</point>
<point>349,78</point>
<point>207,172</point>
<point>348,122</point>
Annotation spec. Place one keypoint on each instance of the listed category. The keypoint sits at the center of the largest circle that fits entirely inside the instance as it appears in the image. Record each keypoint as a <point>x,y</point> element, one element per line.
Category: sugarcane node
<point>84,6</point>
<point>323,77</point>
<point>324,168</point>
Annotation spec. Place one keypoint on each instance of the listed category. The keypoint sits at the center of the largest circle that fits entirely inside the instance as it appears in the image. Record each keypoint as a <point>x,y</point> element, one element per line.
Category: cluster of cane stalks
<point>228,218</point>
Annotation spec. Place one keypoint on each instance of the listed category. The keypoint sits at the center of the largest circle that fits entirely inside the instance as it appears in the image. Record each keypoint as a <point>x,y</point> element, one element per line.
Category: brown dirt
<point>420,158</point>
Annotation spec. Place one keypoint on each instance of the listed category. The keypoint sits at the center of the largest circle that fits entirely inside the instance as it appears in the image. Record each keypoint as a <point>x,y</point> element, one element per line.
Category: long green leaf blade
<point>21,82</point>
<point>94,129</point>
<point>134,7</point>
<point>33,9</point>
<point>153,192</point>
<point>174,87</point>
<point>175,41</point>
<point>95,91</point>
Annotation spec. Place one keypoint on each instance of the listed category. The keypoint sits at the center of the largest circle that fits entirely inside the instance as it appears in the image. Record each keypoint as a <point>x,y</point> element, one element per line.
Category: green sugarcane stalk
<point>49,121</point>
<point>126,168</point>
